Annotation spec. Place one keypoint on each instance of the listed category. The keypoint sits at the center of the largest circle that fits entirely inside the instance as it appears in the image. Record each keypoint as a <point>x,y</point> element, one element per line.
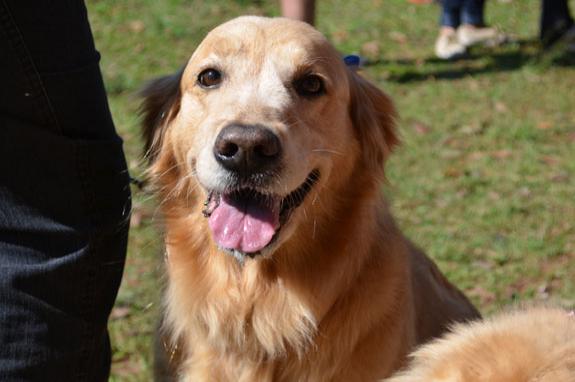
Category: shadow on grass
<point>480,61</point>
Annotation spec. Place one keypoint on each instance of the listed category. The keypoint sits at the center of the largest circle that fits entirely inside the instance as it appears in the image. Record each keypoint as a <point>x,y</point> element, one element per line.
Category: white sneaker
<point>469,35</point>
<point>448,47</point>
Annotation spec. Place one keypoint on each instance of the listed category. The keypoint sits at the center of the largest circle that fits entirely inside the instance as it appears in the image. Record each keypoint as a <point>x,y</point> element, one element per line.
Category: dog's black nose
<point>247,149</point>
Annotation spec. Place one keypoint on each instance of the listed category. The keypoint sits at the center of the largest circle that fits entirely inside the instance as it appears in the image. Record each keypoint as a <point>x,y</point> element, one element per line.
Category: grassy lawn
<point>484,180</point>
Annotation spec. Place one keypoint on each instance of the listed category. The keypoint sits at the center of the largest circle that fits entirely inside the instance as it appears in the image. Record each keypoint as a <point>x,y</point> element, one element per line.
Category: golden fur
<point>534,345</point>
<point>341,295</point>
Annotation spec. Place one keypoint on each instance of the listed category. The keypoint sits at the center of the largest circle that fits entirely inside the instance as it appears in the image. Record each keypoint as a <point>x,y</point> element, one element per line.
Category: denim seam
<point>31,73</point>
<point>75,69</point>
<point>87,309</point>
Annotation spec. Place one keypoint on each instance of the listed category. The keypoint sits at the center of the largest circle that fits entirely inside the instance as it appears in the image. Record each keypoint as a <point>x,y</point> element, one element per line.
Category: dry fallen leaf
<point>517,287</point>
<point>484,264</point>
<point>494,196</point>
<point>561,177</point>
<point>453,172</point>
<point>371,49</point>
<point>524,192</point>
<point>340,36</point>
<point>398,37</point>
<point>476,155</point>
<point>485,296</point>
<point>126,367</point>
<point>120,312</point>
<point>421,128</point>
<point>136,26</point>
<point>500,107</point>
<point>550,160</point>
<point>136,218</point>
<point>501,154</point>
<point>544,125</point>
<point>474,85</point>
<point>543,291</point>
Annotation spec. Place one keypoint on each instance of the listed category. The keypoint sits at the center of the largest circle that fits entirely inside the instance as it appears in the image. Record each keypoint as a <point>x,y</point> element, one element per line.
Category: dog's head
<point>264,113</point>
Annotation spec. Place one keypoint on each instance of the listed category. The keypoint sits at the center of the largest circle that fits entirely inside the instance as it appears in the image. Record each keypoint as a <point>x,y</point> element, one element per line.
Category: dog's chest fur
<point>235,311</point>
<point>253,321</point>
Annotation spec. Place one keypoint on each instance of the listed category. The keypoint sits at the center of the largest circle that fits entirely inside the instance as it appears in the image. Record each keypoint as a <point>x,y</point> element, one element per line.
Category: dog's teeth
<point>210,205</point>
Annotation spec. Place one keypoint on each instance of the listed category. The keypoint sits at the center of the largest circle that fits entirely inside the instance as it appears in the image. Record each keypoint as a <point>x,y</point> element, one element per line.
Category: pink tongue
<point>246,225</point>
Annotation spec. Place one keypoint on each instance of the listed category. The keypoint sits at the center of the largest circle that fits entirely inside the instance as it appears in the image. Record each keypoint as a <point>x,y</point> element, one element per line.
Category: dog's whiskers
<point>315,197</point>
<point>314,226</point>
<point>329,151</point>
<point>160,175</point>
<point>182,185</point>
<point>316,60</point>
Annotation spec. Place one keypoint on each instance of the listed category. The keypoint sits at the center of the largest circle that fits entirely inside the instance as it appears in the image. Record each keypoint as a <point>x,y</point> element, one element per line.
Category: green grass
<point>484,180</point>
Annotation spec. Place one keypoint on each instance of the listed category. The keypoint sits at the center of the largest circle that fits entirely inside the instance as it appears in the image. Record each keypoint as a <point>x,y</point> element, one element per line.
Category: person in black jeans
<point>64,196</point>
<point>556,22</point>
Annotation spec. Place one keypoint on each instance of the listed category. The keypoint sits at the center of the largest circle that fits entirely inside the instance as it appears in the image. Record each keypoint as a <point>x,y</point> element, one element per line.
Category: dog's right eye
<point>209,78</point>
<point>310,85</point>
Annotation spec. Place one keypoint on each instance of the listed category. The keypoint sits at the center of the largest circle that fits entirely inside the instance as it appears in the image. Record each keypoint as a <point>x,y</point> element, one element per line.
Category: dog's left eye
<point>209,78</point>
<point>309,85</point>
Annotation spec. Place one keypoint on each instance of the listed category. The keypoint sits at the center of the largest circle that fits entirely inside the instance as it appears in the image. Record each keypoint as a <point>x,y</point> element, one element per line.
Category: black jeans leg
<point>555,20</point>
<point>64,196</point>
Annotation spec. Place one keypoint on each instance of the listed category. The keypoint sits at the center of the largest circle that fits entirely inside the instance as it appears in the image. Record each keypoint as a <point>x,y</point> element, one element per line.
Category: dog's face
<point>262,118</point>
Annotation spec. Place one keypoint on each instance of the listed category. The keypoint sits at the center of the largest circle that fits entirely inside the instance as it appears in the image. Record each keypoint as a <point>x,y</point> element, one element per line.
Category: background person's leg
<point>303,10</point>
<point>447,45</point>
<point>473,30</point>
<point>451,13</point>
<point>555,20</point>
<point>472,12</point>
<point>64,197</point>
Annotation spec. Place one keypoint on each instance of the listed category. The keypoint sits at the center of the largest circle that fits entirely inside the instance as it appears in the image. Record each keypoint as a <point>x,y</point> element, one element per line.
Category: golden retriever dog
<point>283,261</point>
<point>533,345</point>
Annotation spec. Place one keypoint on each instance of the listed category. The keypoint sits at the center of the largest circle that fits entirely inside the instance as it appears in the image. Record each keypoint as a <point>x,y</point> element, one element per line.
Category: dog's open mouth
<point>247,220</point>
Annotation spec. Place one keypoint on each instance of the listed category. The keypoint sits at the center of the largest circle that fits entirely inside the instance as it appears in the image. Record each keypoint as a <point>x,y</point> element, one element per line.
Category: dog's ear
<point>161,103</point>
<point>373,116</point>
